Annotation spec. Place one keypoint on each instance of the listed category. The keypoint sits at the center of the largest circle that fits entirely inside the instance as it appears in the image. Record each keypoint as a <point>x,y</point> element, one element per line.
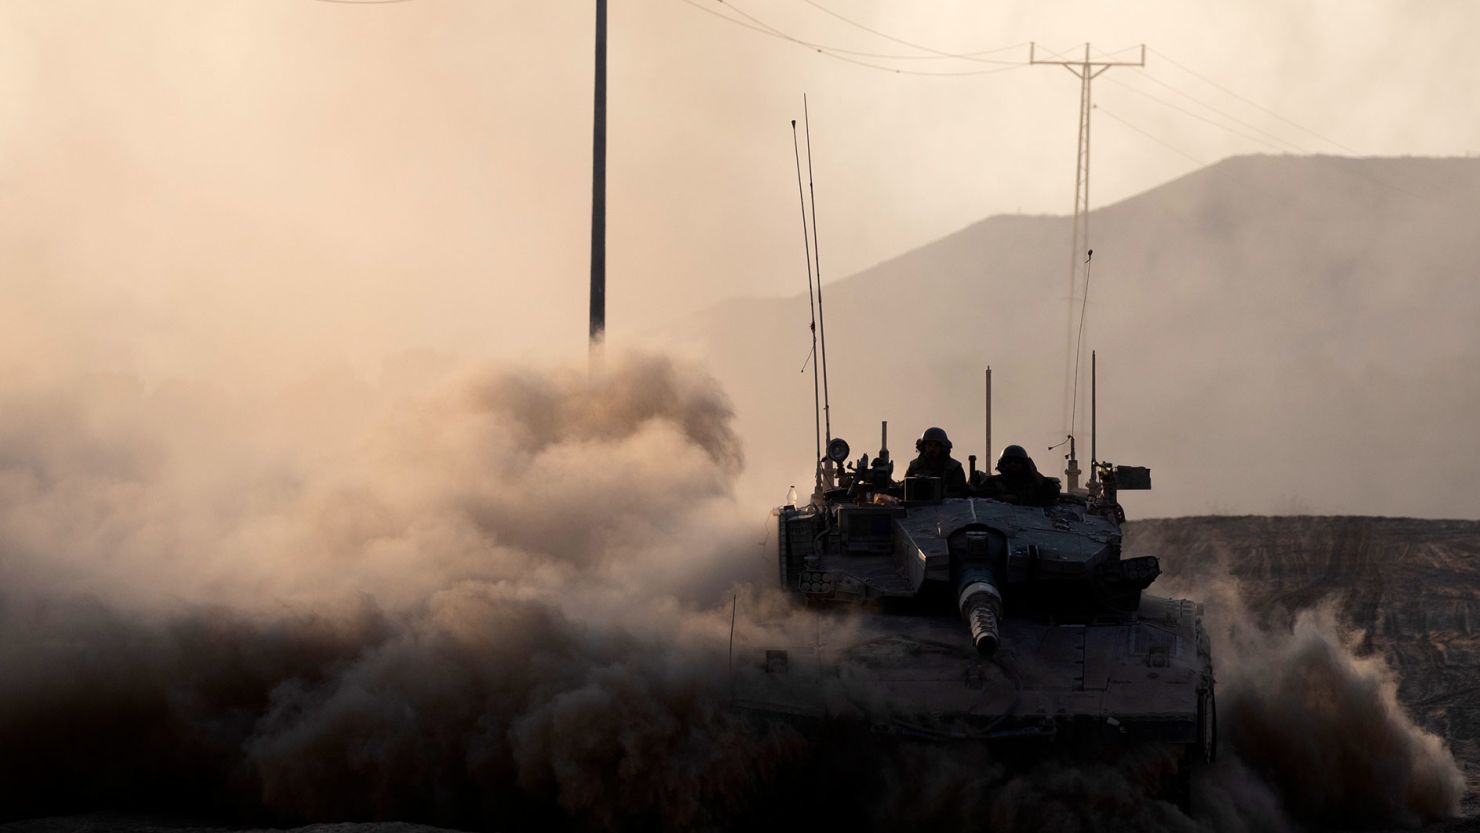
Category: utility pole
<point>1087,71</point>
<point>598,193</point>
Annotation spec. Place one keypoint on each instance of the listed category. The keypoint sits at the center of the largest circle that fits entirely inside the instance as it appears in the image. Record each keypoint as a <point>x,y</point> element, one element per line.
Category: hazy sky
<point>189,182</point>
<point>233,233</point>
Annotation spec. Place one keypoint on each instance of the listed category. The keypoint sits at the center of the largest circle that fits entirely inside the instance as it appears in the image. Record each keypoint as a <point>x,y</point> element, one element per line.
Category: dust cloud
<point>500,598</point>
<point>1313,730</point>
<point>483,599</point>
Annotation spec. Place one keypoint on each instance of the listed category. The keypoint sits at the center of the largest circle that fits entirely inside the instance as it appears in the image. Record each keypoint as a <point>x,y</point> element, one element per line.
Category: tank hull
<point>1148,677</point>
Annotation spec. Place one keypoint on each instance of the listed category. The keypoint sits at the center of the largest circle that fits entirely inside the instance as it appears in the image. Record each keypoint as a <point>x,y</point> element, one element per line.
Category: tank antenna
<point>821,320</point>
<point>1073,469</point>
<point>987,453</point>
<point>811,307</point>
<point>1094,412</point>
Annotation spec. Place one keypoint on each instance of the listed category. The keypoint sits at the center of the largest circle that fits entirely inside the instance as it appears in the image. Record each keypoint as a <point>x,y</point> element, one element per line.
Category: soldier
<point>935,461</point>
<point>1018,481</point>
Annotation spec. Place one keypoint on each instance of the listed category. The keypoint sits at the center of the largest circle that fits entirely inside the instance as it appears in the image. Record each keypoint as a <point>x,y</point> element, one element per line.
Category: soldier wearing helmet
<point>935,460</point>
<point>1018,481</point>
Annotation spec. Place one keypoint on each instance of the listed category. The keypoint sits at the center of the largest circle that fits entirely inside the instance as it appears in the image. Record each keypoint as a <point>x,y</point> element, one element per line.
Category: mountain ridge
<point>1317,312</point>
<point>1222,168</point>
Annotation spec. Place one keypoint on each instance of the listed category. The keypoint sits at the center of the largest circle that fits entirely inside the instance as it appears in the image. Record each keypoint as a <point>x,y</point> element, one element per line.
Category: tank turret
<point>873,539</point>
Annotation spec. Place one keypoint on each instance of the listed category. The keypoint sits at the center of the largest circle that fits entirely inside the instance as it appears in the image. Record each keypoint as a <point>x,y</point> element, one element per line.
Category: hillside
<point>1278,335</point>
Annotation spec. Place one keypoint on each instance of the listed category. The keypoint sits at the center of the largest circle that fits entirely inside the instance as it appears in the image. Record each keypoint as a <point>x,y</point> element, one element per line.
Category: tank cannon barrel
<point>981,605</point>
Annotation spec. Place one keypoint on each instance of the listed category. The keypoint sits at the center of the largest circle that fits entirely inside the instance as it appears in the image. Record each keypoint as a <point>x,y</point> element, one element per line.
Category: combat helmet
<point>1014,452</point>
<point>933,435</point>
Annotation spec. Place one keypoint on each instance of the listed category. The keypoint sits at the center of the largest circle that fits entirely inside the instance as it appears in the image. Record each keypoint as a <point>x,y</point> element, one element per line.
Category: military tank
<point>981,619</point>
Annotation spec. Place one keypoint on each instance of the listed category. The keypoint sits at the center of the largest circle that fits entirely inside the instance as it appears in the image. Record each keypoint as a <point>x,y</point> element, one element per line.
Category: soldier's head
<point>1014,461</point>
<point>934,443</point>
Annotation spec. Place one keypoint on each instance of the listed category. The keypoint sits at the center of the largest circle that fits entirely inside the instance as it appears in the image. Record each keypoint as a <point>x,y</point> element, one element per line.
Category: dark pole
<point>1094,410</point>
<point>598,188</point>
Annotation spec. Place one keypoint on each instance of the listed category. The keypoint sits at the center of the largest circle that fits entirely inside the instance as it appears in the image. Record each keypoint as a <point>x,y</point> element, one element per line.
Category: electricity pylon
<point>1087,70</point>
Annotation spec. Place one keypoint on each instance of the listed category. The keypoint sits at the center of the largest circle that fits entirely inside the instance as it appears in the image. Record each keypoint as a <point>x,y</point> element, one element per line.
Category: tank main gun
<point>976,587</point>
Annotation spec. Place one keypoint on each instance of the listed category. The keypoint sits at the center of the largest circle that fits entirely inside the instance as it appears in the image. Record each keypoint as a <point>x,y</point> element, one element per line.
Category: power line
<point>1360,173</point>
<point>1165,144</point>
<point>834,52</point>
<point>751,26</point>
<point>898,71</point>
<point>1371,177</point>
<point>1163,102</point>
<point>1287,145</point>
<point>1232,118</point>
<point>1252,103</point>
<point>1264,137</point>
<point>966,56</point>
<point>1168,145</point>
<point>755,24</point>
<point>1106,56</point>
<point>758,25</point>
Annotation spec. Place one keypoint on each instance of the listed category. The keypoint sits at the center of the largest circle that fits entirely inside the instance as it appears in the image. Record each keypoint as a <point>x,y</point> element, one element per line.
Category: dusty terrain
<point>1412,588</point>
<point>1409,589</point>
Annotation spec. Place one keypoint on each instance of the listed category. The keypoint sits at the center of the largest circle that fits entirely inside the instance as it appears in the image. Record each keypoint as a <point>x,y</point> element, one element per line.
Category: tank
<point>979,619</point>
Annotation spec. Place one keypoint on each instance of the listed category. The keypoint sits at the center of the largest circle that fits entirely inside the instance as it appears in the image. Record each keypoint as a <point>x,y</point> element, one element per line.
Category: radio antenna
<point>811,306</point>
<point>987,452</point>
<point>1073,469</point>
<point>1094,409</point>
<point>821,320</point>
